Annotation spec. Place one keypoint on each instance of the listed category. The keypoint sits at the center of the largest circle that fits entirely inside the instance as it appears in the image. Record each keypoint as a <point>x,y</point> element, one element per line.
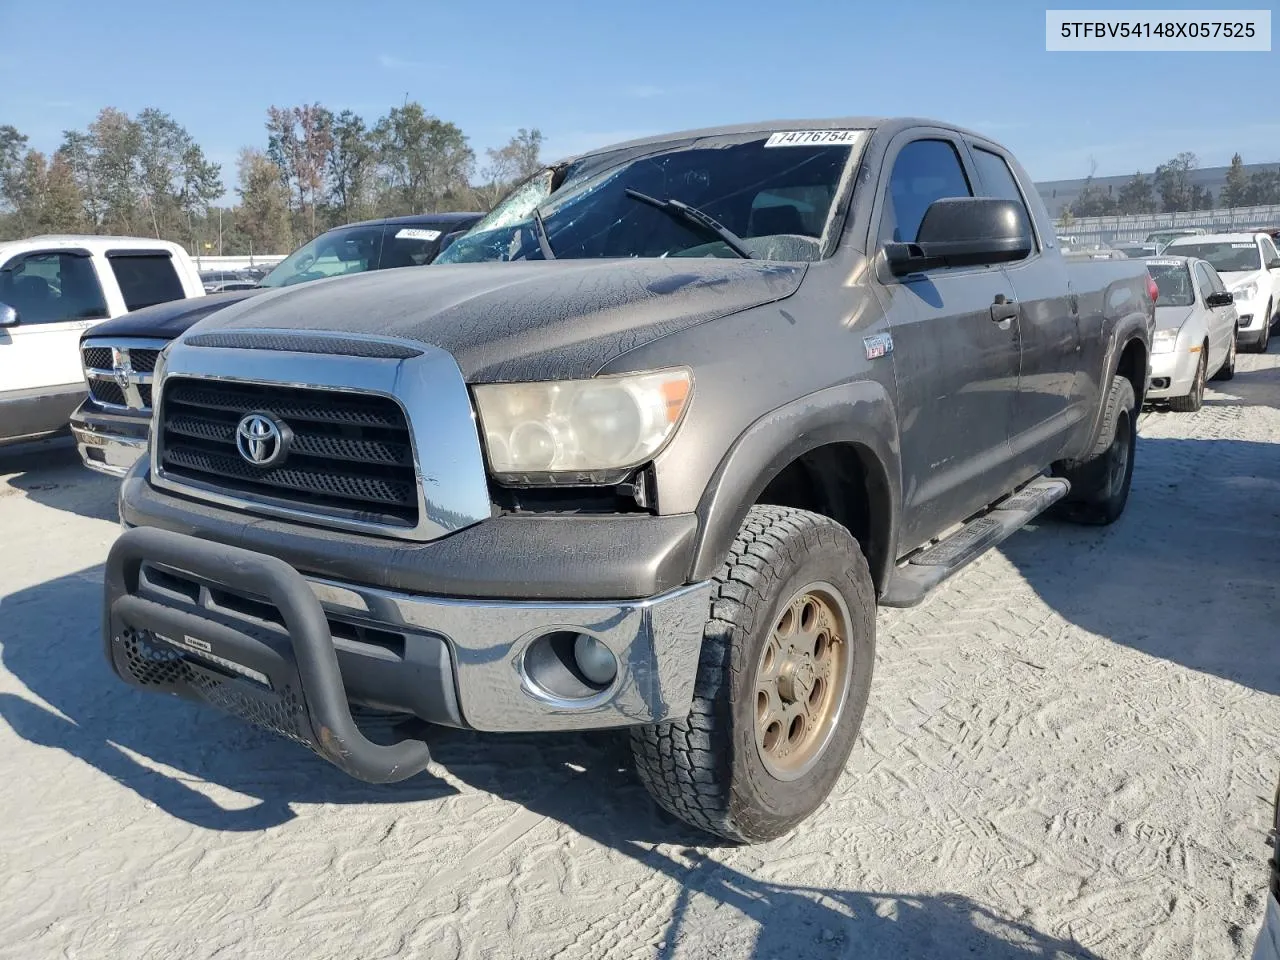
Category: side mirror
<point>1223,299</point>
<point>1274,264</point>
<point>960,231</point>
<point>8,316</point>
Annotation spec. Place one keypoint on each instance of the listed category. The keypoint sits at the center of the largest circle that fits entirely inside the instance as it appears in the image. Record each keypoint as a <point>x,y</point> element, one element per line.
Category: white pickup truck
<point>52,289</point>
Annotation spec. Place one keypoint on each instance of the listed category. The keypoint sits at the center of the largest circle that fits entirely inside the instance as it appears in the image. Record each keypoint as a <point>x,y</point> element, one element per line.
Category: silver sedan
<point>1196,325</point>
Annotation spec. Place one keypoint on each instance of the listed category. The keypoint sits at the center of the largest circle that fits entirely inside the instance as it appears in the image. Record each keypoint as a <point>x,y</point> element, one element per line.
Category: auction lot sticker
<point>813,138</point>
<point>1172,30</point>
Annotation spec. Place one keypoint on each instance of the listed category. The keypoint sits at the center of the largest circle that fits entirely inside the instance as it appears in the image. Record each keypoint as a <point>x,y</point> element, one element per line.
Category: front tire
<point>1100,482</point>
<point>1228,369</point>
<point>1194,400</point>
<point>782,682</point>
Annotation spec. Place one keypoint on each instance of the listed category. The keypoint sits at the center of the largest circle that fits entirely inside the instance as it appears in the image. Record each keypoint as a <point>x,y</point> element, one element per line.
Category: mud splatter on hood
<point>519,321</point>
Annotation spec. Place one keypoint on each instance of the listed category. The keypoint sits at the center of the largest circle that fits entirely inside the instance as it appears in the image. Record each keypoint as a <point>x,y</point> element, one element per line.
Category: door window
<point>998,181</point>
<point>52,287</point>
<point>146,279</point>
<point>1203,280</point>
<point>924,171</point>
<point>1268,250</point>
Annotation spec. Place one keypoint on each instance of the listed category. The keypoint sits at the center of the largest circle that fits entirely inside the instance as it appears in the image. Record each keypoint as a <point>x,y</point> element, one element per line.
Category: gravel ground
<point>1070,751</point>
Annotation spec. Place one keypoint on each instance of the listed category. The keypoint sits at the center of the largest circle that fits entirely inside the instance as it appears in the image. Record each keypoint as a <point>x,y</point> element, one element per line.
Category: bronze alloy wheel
<point>801,680</point>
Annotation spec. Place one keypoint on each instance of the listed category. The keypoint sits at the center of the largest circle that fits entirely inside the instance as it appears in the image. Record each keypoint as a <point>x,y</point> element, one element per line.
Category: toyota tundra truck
<point>642,451</point>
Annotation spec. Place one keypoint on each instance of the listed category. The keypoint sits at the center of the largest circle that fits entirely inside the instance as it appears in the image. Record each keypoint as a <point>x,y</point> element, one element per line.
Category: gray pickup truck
<point>643,449</point>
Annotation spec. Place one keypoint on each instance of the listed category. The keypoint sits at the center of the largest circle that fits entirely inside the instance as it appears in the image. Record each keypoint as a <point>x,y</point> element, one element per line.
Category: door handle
<point>1004,311</point>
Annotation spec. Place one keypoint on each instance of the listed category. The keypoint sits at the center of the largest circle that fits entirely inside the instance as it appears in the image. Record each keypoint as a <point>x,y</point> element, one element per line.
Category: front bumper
<point>109,443</point>
<point>1172,374</point>
<point>1252,319</point>
<point>248,633</point>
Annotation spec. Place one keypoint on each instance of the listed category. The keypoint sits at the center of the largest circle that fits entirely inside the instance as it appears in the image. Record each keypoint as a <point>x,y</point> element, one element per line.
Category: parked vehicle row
<point>112,423</point>
<point>673,419</point>
<point>1249,265</point>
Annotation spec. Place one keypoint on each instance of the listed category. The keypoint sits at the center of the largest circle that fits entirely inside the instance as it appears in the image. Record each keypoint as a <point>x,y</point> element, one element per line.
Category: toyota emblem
<point>262,439</point>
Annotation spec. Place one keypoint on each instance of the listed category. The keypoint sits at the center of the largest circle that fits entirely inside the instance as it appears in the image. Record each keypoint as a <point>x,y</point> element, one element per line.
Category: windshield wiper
<point>708,224</point>
<point>544,242</point>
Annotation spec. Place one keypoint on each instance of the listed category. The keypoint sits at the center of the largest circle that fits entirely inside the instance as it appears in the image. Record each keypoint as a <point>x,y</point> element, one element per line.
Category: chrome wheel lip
<point>811,750</point>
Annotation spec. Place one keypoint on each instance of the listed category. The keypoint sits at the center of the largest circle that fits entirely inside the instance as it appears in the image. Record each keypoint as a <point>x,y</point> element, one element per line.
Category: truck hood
<point>165,321</point>
<point>1172,318</point>
<point>538,320</point>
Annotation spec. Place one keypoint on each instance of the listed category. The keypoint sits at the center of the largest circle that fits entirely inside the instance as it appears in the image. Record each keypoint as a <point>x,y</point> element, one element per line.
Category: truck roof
<point>94,243</point>
<point>450,217</point>
<point>891,124</point>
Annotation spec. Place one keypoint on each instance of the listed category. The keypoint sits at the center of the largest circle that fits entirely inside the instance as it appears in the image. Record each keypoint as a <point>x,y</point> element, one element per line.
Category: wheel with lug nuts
<point>782,683</point>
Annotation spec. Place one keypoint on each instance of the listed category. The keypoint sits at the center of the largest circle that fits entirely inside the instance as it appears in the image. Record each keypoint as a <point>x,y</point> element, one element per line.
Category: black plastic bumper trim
<point>334,733</point>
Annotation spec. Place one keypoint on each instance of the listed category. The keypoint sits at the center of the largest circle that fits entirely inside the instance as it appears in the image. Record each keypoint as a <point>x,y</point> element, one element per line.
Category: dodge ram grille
<point>321,452</point>
<point>119,373</point>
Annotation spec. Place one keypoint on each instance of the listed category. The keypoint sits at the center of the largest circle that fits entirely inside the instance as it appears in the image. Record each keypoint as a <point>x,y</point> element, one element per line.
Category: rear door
<point>57,295</point>
<point>956,364</point>
<point>1049,404</point>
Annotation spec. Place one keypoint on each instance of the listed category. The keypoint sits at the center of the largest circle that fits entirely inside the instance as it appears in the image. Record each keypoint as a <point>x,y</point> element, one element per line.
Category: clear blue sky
<point>590,72</point>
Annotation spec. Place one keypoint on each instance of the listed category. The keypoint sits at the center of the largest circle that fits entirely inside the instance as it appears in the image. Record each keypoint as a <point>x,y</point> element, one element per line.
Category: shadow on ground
<point>155,746</point>
<point>1190,573</point>
<point>50,473</point>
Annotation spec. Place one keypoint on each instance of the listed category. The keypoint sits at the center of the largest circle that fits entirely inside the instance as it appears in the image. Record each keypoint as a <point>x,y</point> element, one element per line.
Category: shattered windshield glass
<point>765,196</point>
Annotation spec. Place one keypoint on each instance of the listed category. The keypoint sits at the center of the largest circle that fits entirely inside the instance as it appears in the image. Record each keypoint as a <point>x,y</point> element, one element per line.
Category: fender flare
<point>860,413</point>
<point>1129,328</point>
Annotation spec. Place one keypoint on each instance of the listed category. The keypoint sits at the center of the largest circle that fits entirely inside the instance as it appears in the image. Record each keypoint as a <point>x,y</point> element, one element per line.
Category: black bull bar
<point>286,680</point>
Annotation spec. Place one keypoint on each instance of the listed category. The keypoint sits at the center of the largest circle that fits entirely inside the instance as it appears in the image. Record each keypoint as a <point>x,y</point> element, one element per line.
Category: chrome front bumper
<point>105,452</point>
<point>656,641</point>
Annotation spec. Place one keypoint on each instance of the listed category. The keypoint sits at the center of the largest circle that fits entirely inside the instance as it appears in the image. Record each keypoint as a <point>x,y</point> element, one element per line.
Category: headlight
<point>1246,292</point>
<point>1165,341</point>
<point>579,431</point>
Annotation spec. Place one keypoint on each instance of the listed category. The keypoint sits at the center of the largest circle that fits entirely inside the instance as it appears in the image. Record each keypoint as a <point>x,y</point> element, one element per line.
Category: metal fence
<point>1135,227</point>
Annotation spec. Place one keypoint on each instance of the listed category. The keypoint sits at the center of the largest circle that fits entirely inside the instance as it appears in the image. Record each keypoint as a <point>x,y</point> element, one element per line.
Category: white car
<point>1250,267</point>
<point>51,290</point>
<point>1195,336</point>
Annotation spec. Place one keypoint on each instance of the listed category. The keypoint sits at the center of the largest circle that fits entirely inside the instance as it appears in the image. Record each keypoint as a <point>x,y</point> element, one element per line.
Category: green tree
<point>263,216</point>
<point>351,163</point>
<point>13,147</point>
<point>1093,201</point>
<point>521,157</point>
<point>178,183</point>
<point>1136,196</point>
<point>1263,187</point>
<point>1173,183</point>
<point>1236,190</point>
<point>422,160</point>
<point>299,140</point>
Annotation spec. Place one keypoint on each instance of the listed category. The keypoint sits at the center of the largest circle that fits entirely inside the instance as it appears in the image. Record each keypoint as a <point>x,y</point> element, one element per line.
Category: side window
<point>1268,251</point>
<point>924,171</point>
<point>52,287</point>
<point>409,245</point>
<point>998,181</point>
<point>146,279</point>
<point>1203,281</point>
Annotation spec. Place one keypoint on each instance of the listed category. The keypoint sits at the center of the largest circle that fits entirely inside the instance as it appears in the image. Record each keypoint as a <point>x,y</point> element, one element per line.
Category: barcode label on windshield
<point>413,233</point>
<point>1241,246</point>
<point>813,138</point>
<point>1164,263</point>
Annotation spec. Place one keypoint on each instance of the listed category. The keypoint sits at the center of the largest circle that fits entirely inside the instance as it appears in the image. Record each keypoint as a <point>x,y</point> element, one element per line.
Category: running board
<point>912,581</point>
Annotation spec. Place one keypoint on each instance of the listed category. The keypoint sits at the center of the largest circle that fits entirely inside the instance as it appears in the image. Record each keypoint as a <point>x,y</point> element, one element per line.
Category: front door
<point>57,296</point>
<point>955,358</point>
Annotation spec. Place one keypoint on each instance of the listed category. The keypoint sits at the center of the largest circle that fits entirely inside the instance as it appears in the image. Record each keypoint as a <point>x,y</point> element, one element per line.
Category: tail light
<point>1153,291</point>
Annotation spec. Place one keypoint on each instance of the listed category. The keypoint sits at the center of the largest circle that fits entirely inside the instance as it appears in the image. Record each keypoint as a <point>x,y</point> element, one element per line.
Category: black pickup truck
<point>111,425</point>
<point>644,450</point>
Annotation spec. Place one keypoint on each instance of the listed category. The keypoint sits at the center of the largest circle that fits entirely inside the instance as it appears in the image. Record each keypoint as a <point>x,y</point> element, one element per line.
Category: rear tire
<point>1228,369</point>
<point>1100,482</point>
<point>1194,400</point>
<point>792,580</point>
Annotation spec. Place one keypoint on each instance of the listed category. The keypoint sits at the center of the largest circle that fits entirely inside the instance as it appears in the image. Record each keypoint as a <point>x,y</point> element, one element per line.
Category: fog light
<point>595,660</point>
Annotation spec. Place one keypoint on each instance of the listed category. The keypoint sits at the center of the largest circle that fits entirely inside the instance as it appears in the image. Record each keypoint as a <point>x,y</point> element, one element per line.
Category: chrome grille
<point>350,455</point>
<point>119,372</point>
